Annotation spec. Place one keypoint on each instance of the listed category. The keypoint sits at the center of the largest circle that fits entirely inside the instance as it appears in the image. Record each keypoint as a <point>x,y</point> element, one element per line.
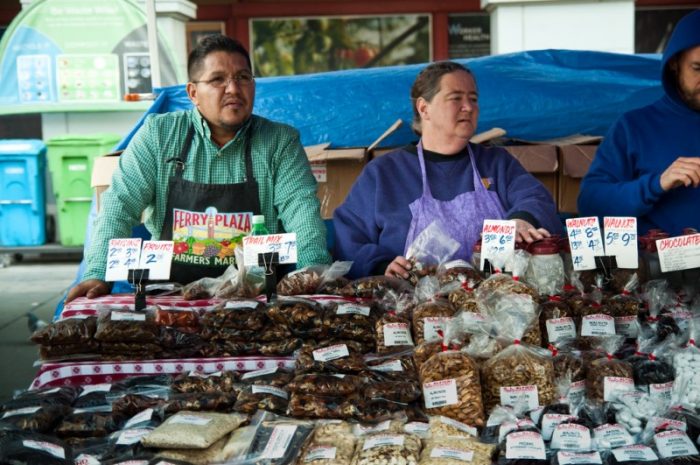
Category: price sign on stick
<point>497,239</point>
<point>157,256</point>
<point>679,253</point>
<point>621,240</point>
<point>122,255</point>
<point>585,240</point>
<point>284,244</point>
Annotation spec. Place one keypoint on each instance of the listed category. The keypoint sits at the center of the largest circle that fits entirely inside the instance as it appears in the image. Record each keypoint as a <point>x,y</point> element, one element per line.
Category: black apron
<point>207,221</point>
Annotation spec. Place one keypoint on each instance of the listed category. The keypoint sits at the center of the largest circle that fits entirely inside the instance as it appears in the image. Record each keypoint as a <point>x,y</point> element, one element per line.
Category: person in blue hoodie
<point>443,178</point>
<point>648,165</point>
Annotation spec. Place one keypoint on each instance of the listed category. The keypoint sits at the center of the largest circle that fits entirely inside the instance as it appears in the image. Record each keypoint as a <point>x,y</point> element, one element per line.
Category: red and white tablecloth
<point>54,374</point>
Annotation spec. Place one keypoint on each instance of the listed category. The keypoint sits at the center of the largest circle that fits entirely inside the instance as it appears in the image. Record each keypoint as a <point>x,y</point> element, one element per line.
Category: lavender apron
<point>462,218</point>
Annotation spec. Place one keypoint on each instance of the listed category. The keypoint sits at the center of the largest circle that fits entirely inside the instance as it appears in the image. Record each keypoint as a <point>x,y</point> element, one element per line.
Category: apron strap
<point>184,152</point>
<point>478,185</point>
<point>249,178</point>
<point>423,172</point>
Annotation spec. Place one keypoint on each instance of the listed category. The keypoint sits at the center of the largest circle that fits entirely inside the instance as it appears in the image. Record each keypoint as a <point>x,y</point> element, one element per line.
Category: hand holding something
<point>524,231</point>
<point>684,171</point>
<point>91,288</point>
<point>398,268</point>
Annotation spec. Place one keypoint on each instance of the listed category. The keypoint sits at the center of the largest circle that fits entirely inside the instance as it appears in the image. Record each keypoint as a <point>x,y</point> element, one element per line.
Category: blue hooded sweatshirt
<point>372,224</point>
<point>624,178</point>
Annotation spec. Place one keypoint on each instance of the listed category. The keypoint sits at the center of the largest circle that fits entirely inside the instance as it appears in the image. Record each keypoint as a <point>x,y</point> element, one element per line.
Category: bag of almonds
<point>519,372</point>
<point>451,387</point>
<point>607,375</point>
<point>432,315</point>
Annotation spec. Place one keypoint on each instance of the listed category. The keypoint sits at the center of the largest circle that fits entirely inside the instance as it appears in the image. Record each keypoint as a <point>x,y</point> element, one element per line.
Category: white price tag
<point>433,326</point>
<point>571,436</point>
<point>284,244</point>
<point>560,328</point>
<point>635,453</point>
<point>661,391</point>
<point>611,436</point>
<point>21,411</point>
<point>585,241</point>
<point>132,436</point>
<point>279,441</point>
<point>260,389</point>
<point>392,365</point>
<point>331,353</point>
<point>238,305</point>
<point>626,326</point>
<point>679,253</point>
<point>384,440</point>
<point>122,255</point>
<point>352,309</point>
<point>144,416</point>
<point>674,443</point>
<point>621,240</point>
<point>127,316</point>
<point>497,239</point>
<point>525,445</point>
<point>452,453</point>
<point>612,384</point>
<point>550,421</point>
<point>363,430</point>
<point>598,325</point>
<point>397,334</point>
<point>319,170</point>
<point>156,257</point>
<point>520,395</point>
<point>261,372</point>
<point>105,387</point>
<point>53,449</point>
<point>416,427</point>
<point>320,453</point>
<point>576,392</point>
<point>579,458</point>
<point>184,419</point>
<point>440,393</point>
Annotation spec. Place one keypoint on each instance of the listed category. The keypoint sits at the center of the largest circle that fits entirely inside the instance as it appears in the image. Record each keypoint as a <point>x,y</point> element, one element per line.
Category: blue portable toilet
<point>22,204</point>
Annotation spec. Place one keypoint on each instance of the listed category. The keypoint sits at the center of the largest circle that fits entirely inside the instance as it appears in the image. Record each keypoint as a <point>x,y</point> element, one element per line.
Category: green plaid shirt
<point>287,189</point>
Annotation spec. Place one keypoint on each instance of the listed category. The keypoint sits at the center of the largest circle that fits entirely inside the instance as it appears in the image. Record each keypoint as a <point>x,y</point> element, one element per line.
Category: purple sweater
<point>372,224</point>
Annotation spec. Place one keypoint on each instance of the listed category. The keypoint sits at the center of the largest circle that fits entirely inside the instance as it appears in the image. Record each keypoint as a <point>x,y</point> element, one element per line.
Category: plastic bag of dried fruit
<point>430,248</point>
<point>518,372</point>
<point>242,281</point>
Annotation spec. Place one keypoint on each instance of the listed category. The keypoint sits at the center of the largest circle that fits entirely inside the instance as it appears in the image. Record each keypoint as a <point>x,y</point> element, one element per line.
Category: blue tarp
<point>534,95</point>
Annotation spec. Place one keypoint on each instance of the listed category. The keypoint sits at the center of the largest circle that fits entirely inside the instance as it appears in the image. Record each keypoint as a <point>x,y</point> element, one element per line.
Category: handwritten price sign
<point>679,253</point>
<point>157,256</point>
<point>122,255</point>
<point>585,240</point>
<point>284,244</point>
<point>621,240</point>
<point>497,239</point>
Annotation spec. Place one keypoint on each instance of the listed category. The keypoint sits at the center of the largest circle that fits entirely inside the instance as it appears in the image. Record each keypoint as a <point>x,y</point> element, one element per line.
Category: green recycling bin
<point>70,161</point>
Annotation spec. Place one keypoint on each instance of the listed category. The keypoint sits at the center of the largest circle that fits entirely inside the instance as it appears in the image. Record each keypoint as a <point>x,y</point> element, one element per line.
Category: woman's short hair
<point>427,84</point>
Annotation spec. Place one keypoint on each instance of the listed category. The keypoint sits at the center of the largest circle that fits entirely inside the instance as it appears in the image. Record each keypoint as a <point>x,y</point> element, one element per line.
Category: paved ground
<point>31,286</point>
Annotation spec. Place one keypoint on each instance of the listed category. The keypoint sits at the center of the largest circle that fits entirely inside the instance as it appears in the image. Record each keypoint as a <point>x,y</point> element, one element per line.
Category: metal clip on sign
<point>139,279</point>
<point>606,264</point>
<point>269,261</point>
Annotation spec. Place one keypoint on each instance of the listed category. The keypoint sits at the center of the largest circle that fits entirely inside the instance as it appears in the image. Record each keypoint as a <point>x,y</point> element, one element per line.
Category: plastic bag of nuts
<point>126,326</point>
<point>385,448</point>
<point>460,272</point>
<point>200,382</point>
<point>429,249</point>
<point>430,318</point>
<point>451,450</point>
<point>451,387</point>
<point>332,443</point>
<point>262,397</point>
<point>66,331</point>
<point>337,358</point>
<point>244,314</point>
<point>325,385</point>
<point>606,375</point>
<point>393,333</point>
<point>375,287</point>
<point>399,367</point>
<point>303,317</point>
<point>556,320</point>
<point>350,321</point>
<point>303,281</point>
<point>518,372</point>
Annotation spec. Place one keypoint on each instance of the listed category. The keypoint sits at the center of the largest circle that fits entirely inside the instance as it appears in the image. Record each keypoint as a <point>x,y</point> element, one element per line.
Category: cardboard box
<point>575,161</point>
<point>102,171</point>
<point>542,162</point>
<point>335,170</point>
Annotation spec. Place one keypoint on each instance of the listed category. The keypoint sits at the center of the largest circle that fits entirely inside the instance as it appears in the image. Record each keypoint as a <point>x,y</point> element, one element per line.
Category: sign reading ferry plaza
<point>679,253</point>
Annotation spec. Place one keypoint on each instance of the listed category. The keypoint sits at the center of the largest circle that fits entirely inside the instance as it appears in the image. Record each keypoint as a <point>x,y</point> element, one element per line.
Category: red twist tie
<point>391,312</point>
<point>555,298</point>
<point>516,342</point>
<point>443,346</point>
<point>626,292</point>
<point>553,350</point>
<point>691,341</point>
<point>609,355</point>
<point>652,357</point>
<point>516,278</point>
<point>467,287</point>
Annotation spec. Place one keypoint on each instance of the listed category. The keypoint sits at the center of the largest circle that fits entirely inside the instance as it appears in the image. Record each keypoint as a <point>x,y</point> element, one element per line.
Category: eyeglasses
<point>221,82</point>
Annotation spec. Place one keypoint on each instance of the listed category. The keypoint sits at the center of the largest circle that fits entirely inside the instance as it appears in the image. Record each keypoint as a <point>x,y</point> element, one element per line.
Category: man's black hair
<point>211,44</point>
